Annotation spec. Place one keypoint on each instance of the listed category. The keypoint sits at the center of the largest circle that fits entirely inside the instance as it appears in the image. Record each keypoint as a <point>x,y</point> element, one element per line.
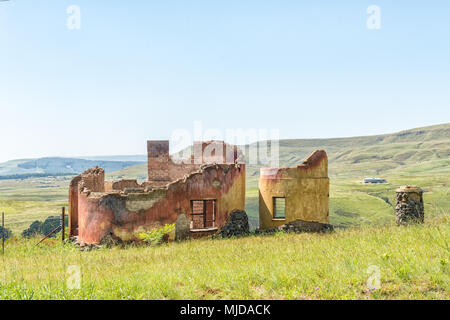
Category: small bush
<point>34,229</point>
<point>155,237</point>
<point>43,228</point>
<point>5,232</point>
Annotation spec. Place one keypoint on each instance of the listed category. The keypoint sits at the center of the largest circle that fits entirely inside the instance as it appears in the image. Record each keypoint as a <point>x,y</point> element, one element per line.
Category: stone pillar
<point>409,206</point>
<point>182,228</point>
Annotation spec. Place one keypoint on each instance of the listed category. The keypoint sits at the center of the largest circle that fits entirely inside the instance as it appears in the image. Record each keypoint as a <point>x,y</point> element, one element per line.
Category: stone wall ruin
<point>122,209</point>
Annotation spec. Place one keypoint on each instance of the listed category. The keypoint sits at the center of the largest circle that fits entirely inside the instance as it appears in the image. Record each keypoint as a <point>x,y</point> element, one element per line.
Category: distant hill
<point>415,150</point>
<point>57,166</point>
<point>375,155</point>
<point>121,158</point>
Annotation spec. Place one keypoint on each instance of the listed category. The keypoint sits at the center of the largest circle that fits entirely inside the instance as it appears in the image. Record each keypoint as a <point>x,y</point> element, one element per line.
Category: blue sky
<point>139,70</point>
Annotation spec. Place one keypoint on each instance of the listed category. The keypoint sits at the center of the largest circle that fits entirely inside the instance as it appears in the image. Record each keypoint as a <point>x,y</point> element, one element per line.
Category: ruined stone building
<point>298,193</point>
<point>206,189</point>
<point>202,191</point>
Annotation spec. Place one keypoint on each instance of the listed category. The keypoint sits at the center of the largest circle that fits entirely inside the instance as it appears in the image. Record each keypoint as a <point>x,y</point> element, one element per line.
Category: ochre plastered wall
<point>305,187</point>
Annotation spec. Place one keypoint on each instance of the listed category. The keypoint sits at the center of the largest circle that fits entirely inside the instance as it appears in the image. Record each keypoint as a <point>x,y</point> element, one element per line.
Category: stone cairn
<point>409,208</point>
<point>237,225</point>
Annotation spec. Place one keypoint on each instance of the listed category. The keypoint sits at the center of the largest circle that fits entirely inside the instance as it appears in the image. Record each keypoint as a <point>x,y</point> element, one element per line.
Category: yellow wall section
<point>305,187</point>
<point>235,197</point>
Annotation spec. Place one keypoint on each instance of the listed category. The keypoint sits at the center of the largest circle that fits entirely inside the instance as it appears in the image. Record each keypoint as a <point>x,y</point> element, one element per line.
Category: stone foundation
<point>300,226</point>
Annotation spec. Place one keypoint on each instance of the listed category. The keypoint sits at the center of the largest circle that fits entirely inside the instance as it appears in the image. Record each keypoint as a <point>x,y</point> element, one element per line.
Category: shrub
<point>155,236</point>
<point>43,228</point>
<point>5,232</point>
<point>34,229</point>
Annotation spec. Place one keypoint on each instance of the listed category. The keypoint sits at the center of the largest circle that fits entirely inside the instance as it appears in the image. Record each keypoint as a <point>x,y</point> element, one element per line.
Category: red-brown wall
<point>73,206</point>
<point>124,215</point>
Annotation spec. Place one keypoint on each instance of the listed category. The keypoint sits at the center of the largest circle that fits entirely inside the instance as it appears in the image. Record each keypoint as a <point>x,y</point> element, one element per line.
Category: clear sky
<point>138,70</point>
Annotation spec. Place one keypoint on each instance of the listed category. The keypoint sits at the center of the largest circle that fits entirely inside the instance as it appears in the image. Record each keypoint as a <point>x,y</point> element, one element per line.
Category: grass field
<point>413,262</point>
<point>27,200</point>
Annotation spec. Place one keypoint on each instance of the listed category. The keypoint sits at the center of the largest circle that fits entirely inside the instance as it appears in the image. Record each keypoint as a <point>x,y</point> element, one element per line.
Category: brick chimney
<point>158,161</point>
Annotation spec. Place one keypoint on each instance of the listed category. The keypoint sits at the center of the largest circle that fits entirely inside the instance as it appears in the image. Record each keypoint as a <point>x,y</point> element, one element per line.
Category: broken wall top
<point>314,166</point>
<point>130,186</point>
<point>203,152</point>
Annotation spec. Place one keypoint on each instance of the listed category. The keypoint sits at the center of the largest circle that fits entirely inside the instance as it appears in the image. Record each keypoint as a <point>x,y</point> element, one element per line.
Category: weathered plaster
<point>139,207</point>
<point>305,187</point>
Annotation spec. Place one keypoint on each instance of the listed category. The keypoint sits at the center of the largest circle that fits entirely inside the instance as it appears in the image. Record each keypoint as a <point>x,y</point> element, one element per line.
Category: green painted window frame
<point>275,212</point>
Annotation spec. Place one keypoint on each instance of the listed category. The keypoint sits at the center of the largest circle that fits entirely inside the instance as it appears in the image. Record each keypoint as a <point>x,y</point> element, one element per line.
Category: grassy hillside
<point>413,264</point>
<point>27,200</point>
<point>121,158</point>
<point>134,172</point>
<point>420,150</point>
<point>373,155</point>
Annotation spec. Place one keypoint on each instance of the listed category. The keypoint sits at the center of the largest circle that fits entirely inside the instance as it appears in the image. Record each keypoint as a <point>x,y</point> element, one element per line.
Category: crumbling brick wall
<point>94,180</point>
<point>158,162</point>
<point>73,205</point>
<point>121,184</point>
<point>126,213</point>
<point>122,208</point>
<point>214,152</point>
<point>178,170</point>
<point>162,168</point>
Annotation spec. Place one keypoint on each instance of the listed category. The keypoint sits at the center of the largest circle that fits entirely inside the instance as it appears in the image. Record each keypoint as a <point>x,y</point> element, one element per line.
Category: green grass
<point>24,200</point>
<point>20,214</point>
<point>414,263</point>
